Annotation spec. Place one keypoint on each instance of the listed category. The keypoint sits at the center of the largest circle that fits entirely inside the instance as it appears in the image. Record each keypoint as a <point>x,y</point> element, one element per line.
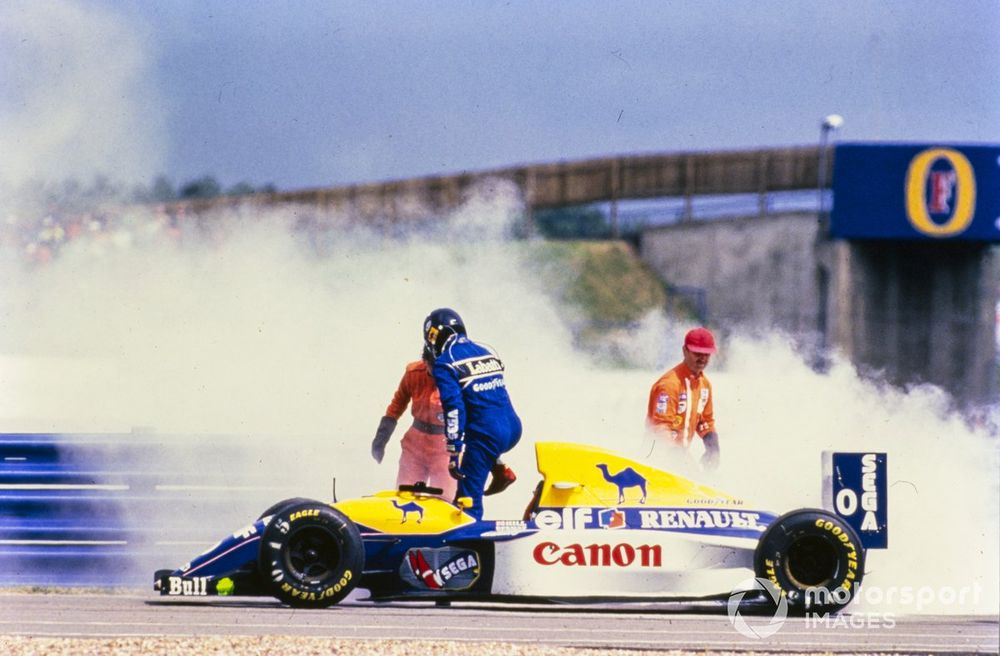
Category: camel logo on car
<point>408,508</point>
<point>623,480</point>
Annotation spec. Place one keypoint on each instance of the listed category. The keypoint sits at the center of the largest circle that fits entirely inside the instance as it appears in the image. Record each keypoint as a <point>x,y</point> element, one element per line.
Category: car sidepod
<point>419,546</point>
<point>606,526</point>
<point>623,562</point>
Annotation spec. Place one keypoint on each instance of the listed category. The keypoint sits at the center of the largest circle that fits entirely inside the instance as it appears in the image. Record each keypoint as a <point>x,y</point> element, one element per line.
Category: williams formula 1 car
<point>599,527</point>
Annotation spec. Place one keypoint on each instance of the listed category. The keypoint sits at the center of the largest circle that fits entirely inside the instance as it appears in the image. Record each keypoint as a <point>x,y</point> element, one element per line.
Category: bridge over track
<point>558,184</point>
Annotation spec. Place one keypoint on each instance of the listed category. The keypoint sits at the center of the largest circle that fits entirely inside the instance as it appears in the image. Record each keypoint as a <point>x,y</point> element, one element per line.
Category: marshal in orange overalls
<point>424,456</point>
<point>680,406</point>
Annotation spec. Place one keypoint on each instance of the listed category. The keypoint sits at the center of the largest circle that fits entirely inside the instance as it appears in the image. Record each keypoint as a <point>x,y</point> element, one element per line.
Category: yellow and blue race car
<point>599,527</point>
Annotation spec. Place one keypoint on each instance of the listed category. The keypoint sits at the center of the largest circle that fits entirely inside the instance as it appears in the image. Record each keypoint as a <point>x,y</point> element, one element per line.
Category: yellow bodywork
<point>573,478</point>
<point>393,511</point>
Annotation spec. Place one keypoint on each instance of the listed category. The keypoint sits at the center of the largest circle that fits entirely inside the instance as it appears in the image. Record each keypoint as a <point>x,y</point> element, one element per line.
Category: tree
<point>241,189</point>
<point>162,190</point>
<point>586,222</point>
<point>204,187</point>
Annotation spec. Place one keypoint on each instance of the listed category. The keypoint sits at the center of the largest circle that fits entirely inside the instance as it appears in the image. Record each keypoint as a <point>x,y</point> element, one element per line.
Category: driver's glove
<point>455,446</point>
<point>453,467</point>
<point>382,435</point>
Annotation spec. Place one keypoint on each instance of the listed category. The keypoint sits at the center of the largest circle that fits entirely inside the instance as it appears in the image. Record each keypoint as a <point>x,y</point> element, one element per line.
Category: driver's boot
<point>501,478</point>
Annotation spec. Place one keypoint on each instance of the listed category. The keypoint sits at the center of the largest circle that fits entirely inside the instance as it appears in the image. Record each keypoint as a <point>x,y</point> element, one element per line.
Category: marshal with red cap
<point>700,340</point>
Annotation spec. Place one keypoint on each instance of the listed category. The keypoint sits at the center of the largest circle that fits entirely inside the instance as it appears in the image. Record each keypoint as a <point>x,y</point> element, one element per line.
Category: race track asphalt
<point>632,626</point>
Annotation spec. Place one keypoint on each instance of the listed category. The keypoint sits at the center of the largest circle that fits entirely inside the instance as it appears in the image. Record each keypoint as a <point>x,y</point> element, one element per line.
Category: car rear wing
<point>856,487</point>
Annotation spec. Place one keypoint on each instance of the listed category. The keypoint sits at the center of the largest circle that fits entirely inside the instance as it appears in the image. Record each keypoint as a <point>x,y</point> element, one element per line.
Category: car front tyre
<point>311,555</point>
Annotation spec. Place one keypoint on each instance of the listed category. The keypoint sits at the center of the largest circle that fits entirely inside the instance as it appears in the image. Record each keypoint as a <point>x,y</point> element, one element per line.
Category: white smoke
<point>943,509</point>
<point>255,336</point>
<point>78,98</point>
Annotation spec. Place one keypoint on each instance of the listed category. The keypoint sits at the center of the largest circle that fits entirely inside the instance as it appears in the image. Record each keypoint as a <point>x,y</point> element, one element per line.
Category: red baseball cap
<point>700,340</point>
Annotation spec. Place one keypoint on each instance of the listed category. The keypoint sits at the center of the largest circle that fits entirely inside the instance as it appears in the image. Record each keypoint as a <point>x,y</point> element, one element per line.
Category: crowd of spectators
<point>41,238</point>
<point>39,220</point>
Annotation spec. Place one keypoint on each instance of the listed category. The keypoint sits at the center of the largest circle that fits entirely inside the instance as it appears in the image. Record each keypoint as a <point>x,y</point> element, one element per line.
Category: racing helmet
<point>440,326</point>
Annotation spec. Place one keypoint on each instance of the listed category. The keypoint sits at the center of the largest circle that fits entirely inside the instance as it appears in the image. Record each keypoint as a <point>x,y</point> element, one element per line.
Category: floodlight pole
<point>829,124</point>
<point>821,360</point>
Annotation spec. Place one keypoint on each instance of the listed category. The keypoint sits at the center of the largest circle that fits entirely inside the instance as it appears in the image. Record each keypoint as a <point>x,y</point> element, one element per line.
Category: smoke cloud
<point>246,330</point>
<point>257,336</point>
<point>78,97</point>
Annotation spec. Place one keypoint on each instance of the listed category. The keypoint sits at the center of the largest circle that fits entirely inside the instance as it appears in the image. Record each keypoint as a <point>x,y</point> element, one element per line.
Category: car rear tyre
<point>311,555</point>
<point>814,558</point>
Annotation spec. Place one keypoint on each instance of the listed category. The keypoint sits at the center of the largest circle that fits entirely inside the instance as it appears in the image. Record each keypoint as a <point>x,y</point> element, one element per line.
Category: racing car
<point>599,526</point>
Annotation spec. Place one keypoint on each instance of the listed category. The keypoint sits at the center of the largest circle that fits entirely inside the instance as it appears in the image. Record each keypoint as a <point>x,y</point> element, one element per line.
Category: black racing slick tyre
<point>311,555</point>
<point>814,558</point>
<point>281,505</point>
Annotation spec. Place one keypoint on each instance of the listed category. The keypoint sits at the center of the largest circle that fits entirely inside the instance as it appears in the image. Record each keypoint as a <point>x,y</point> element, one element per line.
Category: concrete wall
<point>921,312</point>
<point>758,272</point>
<point>907,311</point>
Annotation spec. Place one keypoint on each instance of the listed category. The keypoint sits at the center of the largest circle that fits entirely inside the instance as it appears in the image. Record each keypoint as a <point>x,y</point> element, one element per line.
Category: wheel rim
<point>812,562</point>
<point>312,555</point>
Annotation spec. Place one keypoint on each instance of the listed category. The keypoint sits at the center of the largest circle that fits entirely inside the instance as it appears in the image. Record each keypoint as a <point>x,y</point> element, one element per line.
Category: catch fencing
<point>107,509</point>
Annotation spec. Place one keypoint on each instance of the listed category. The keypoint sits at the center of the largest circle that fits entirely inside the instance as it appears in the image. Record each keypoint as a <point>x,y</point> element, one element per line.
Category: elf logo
<point>940,192</point>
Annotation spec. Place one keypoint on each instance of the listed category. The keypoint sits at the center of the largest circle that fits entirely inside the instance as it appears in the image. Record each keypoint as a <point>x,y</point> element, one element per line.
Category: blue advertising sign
<point>858,490</point>
<point>916,191</point>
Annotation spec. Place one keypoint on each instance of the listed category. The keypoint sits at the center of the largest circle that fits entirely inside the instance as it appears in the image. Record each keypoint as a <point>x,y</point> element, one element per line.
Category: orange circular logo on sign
<point>949,193</point>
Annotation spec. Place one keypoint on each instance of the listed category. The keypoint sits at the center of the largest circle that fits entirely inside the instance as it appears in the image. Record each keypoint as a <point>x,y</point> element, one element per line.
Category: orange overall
<point>424,456</point>
<point>680,406</point>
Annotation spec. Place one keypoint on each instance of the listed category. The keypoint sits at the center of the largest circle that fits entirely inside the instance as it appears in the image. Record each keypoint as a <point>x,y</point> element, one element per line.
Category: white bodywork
<point>620,563</point>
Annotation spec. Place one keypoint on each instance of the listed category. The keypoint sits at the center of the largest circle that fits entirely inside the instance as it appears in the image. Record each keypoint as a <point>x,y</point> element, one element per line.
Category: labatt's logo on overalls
<point>940,192</point>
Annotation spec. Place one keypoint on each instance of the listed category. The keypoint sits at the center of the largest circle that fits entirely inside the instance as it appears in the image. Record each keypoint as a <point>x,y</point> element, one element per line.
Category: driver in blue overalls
<point>480,422</point>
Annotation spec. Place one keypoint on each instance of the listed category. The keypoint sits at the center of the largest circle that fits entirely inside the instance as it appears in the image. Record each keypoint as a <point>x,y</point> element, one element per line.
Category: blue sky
<point>307,94</point>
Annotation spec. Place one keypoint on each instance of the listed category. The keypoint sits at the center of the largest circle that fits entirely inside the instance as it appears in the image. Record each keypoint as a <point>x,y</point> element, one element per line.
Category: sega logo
<point>847,499</point>
<point>858,492</point>
<point>446,568</point>
<point>940,192</point>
